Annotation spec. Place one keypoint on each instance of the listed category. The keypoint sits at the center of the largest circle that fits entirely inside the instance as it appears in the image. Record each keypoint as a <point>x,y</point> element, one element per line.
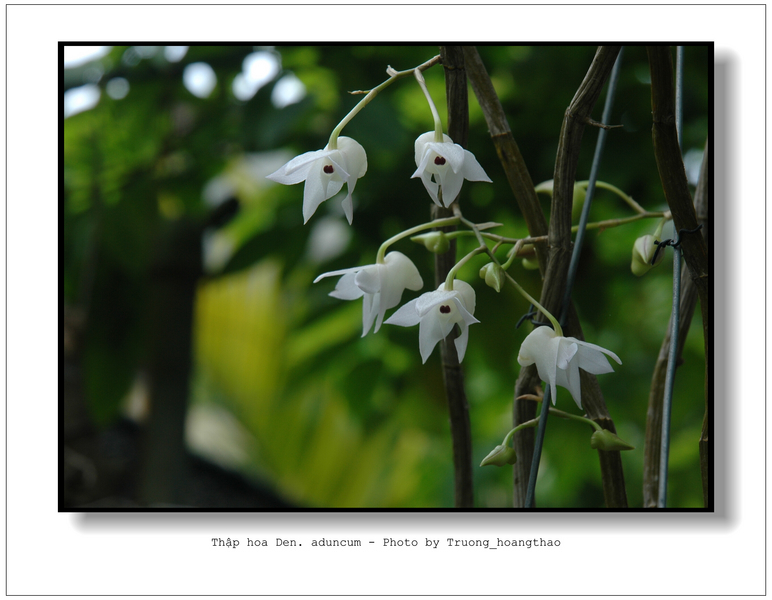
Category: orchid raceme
<point>325,172</point>
<point>380,286</point>
<point>438,312</point>
<point>558,360</point>
<point>445,164</point>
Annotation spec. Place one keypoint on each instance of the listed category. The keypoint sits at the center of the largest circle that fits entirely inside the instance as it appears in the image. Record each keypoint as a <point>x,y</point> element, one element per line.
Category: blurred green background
<point>281,393</point>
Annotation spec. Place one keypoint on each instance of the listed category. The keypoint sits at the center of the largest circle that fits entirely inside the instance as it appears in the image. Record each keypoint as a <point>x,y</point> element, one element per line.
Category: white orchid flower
<point>381,286</point>
<point>448,163</point>
<point>325,172</point>
<point>558,360</point>
<point>438,312</point>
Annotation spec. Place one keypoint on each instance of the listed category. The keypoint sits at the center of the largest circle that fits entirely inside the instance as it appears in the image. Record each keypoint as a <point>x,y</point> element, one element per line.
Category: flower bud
<point>643,251</point>
<point>493,275</point>
<point>530,264</point>
<point>580,193</point>
<point>529,260</point>
<point>434,241</point>
<point>500,456</point>
<point>605,440</point>
<point>545,187</point>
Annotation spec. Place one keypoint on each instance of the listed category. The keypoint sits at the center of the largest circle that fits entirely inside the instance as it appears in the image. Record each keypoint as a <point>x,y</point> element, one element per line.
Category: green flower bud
<point>580,193</point>
<point>545,187</point>
<point>493,275</point>
<point>434,241</point>
<point>605,440</point>
<point>530,263</point>
<point>500,456</point>
<point>643,251</point>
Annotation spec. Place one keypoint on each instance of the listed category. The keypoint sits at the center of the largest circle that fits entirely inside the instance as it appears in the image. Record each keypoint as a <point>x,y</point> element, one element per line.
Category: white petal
<point>339,164</point>
<point>346,288</point>
<point>461,342</point>
<point>431,187</point>
<point>534,345</point>
<point>593,361</point>
<point>451,186</point>
<point>370,303</point>
<point>305,159</point>
<point>472,169</point>
<point>318,189</point>
<point>397,273</point>
<point>430,332</point>
<point>421,159</point>
<point>390,296</point>
<point>422,141</point>
<point>402,270</point>
<point>566,351</point>
<point>296,170</point>
<point>541,347</point>
<point>352,160</point>
<point>548,373</point>
<point>405,316</point>
<point>339,272</point>
<point>466,317</point>
<point>599,349</point>
<point>348,207</point>
<point>354,157</point>
<point>426,302</point>
<point>466,292</point>
<point>571,380</point>
<point>446,321</point>
<point>296,177</point>
<point>426,179</point>
<point>369,279</point>
<point>453,153</point>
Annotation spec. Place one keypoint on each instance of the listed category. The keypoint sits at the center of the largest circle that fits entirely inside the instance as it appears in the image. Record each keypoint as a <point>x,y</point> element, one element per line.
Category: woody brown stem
<point>453,375</point>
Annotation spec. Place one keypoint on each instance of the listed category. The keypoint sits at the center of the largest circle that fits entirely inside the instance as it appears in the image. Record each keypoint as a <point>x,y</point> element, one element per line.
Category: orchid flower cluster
<point>442,166</point>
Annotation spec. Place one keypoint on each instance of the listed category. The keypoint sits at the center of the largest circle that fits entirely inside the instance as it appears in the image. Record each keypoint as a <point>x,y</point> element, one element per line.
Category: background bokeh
<point>187,280</point>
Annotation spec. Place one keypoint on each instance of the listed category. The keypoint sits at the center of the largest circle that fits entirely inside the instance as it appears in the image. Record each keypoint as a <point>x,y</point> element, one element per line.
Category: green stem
<point>616,222</point>
<point>452,273</point>
<point>510,258</point>
<point>555,325</point>
<point>612,188</point>
<point>565,415</point>
<point>438,137</point>
<point>483,248</point>
<point>413,230</point>
<point>526,425</point>
<point>558,413</point>
<point>393,76</point>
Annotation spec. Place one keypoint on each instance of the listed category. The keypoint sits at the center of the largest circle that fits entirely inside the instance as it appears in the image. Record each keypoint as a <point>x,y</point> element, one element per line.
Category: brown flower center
<point>328,169</point>
<point>440,160</point>
<point>444,309</point>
